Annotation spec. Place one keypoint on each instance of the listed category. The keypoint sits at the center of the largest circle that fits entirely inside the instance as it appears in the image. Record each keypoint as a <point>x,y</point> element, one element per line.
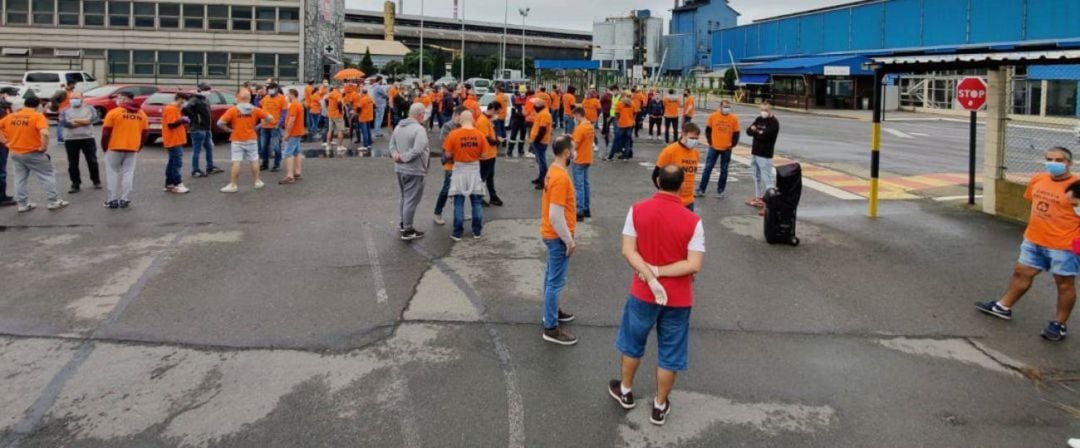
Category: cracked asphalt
<point>292,316</point>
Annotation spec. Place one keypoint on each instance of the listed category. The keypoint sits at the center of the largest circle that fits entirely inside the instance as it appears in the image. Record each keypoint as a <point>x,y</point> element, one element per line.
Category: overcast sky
<point>579,14</point>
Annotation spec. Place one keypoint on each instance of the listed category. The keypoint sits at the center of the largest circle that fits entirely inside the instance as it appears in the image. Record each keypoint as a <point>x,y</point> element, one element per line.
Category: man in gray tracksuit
<point>409,148</point>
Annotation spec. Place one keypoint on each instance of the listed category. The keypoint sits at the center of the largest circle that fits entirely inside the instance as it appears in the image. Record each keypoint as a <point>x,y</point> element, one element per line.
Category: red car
<point>220,101</point>
<point>104,98</point>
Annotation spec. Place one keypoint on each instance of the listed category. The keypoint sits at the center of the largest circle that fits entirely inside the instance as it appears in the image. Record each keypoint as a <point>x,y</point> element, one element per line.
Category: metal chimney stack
<point>388,20</point>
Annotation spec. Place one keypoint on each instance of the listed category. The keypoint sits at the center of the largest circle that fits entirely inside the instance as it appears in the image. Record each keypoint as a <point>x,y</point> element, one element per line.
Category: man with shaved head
<point>541,137</point>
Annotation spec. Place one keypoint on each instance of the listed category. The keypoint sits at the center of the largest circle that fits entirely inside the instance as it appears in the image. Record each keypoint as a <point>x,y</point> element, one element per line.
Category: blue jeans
<point>540,150</point>
<point>569,124</point>
<point>380,119</point>
<point>172,169</point>
<point>623,143</point>
<point>3,172</point>
<point>672,333</point>
<point>554,280</point>
<point>270,140</point>
<point>762,171</point>
<point>582,189</point>
<point>440,203</point>
<point>477,203</point>
<point>365,134</point>
<point>500,128</point>
<point>309,121</point>
<point>201,141</point>
<point>710,162</point>
<point>556,118</point>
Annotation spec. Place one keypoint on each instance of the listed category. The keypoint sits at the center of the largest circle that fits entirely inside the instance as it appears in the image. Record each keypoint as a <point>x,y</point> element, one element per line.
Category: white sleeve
<point>628,228</point>
<point>697,242</point>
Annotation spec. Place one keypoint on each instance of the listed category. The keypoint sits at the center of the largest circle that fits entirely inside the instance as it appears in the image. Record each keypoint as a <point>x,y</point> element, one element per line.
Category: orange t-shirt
<point>626,115</point>
<point>568,103</point>
<point>671,107</point>
<point>392,92</point>
<point>529,109</point>
<point>22,130</point>
<point>501,99</point>
<point>483,124</point>
<point>296,113</point>
<point>592,109</point>
<point>465,145</point>
<point>243,126</point>
<point>273,105</point>
<point>426,100</point>
<point>1053,223</point>
<point>639,100</point>
<point>367,109</point>
<point>350,99</point>
<point>583,136</point>
<point>688,107</point>
<point>315,101</point>
<point>558,190</point>
<point>127,129</point>
<point>546,97</point>
<point>685,158</point>
<point>723,127</point>
<point>172,137</point>
<point>543,121</point>
<point>333,104</point>
<point>308,91</point>
<point>473,107</point>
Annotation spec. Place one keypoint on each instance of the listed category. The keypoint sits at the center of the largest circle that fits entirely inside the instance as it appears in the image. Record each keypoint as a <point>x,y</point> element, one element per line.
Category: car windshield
<point>481,83</point>
<point>42,77</point>
<point>101,91</point>
<point>160,99</point>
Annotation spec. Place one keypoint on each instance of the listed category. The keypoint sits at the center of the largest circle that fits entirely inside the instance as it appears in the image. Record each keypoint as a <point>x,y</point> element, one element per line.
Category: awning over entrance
<point>1054,72</point>
<point>846,65</point>
<point>753,79</point>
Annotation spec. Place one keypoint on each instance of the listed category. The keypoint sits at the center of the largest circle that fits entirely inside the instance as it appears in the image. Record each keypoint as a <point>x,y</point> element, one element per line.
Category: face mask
<point>764,114</point>
<point>1056,168</point>
<point>76,102</point>
<point>725,111</point>
<point>272,92</point>
<point>692,144</point>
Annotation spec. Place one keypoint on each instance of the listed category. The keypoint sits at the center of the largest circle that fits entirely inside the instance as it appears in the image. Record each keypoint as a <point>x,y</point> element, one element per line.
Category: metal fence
<point>1044,112</point>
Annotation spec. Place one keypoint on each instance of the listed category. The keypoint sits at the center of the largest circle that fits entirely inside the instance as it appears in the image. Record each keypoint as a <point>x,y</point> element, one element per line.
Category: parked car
<point>220,101</point>
<point>447,81</point>
<point>46,83</point>
<point>104,98</point>
<point>480,85</point>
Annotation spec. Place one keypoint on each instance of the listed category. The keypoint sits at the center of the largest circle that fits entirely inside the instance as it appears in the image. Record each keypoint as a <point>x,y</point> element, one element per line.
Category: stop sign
<point>971,93</point>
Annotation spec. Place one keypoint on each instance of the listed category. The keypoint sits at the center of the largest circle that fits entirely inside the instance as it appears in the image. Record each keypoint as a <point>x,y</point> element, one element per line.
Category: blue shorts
<point>672,333</point>
<point>1055,261</point>
<point>292,147</point>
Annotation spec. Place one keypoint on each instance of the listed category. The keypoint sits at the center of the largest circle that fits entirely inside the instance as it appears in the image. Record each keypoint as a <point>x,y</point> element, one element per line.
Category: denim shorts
<point>1054,261</point>
<point>672,333</point>
<point>292,147</point>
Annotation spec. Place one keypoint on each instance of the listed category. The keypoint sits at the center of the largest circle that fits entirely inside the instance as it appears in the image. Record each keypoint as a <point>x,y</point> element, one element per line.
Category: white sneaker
<point>27,207</point>
<point>259,184</point>
<point>326,145</point>
<point>58,204</point>
<point>530,155</point>
<point>231,188</point>
<point>181,189</point>
<point>439,220</point>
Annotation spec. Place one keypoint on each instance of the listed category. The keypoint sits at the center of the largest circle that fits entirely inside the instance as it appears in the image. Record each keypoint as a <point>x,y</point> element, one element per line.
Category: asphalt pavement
<point>293,316</point>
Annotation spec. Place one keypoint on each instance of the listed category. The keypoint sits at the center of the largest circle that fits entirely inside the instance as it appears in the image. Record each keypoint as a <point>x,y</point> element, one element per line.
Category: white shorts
<point>245,151</point>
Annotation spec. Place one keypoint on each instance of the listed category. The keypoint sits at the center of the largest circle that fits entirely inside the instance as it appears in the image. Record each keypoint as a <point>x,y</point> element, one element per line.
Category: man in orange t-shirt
<point>568,102</point>
<point>1050,242</point>
<point>123,133</point>
<point>688,109</point>
<point>334,105</point>
<point>464,146</point>
<point>540,135</point>
<point>366,112</point>
<point>26,135</point>
<point>487,159</point>
<point>241,121</point>
<point>639,99</point>
<point>625,120</point>
<point>173,138</point>
<point>557,224</point>
<point>671,116</point>
<point>294,131</point>
<point>318,119</point>
<point>504,107</point>
<point>584,138</point>
<point>722,131</point>
<point>683,153</point>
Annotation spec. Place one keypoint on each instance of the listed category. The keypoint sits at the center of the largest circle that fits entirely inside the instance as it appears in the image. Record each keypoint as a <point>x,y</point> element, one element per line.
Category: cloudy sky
<point>579,14</point>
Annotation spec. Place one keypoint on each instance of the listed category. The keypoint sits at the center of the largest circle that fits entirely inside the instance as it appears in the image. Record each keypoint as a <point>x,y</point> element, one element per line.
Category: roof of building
<point>691,5</point>
<point>447,20</point>
<point>817,10</point>
<point>377,47</point>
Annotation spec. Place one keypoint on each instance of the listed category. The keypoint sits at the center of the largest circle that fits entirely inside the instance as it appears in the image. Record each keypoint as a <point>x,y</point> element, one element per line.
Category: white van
<point>480,85</point>
<point>45,83</point>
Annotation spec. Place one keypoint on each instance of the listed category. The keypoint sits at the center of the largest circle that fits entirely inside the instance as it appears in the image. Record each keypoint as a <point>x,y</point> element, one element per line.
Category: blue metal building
<point>688,42</point>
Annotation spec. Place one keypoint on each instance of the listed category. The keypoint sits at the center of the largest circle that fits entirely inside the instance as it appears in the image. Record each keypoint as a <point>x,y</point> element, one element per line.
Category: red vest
<point>664,230</point>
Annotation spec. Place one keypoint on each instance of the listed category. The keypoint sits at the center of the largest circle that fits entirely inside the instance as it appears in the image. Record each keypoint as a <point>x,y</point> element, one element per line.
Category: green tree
<point>393,68</point>
<point>729,80</point>
<point>366,65</point>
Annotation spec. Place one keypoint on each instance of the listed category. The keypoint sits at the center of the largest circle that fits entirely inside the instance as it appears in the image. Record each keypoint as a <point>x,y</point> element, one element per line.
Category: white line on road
<point>814,185</point>
<point>896,132</point>
<point>376,269</point>
<point>955,198</point>
<point>919,134</point>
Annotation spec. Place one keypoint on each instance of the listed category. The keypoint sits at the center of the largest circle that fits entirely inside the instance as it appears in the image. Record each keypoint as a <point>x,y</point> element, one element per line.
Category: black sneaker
<point>214,170</point>
<point>497,202</point>
<point>615,390</point>
<point>275,169</point>
<point>124,204</point>
<point>565,317</point>
<point>410,235</point>
<point>74,189</point>
<point>558,336</point>
<point>580,218</point>
<point>198,174</point>
<point>112,204</point>
<point>7,201</point>
<point>588,214</point>
<point>659,417</point>
<point>97,186</point>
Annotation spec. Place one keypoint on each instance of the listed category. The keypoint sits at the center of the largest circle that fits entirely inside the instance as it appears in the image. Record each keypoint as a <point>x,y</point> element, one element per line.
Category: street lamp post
<point>524,13</point>
<point>462,41</point>
<point>502,48</point>
<point>421,69</point>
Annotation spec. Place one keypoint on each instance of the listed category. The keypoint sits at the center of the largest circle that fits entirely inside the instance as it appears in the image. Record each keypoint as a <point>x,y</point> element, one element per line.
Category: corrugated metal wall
<point>900,24</point>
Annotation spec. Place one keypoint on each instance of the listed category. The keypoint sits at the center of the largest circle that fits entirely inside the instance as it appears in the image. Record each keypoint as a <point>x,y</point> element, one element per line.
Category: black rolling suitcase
<point>781,204</point>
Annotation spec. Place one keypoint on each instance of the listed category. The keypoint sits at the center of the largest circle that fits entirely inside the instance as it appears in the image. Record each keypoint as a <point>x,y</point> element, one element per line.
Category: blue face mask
<point>75,102</point>
<point>1056,168</point>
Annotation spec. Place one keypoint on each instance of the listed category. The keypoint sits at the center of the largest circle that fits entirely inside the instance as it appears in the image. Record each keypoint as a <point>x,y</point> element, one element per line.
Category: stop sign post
<point>971,95</point>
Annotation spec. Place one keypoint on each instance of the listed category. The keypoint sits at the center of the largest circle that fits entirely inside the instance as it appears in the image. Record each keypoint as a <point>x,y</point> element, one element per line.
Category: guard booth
<point>1012,151</point>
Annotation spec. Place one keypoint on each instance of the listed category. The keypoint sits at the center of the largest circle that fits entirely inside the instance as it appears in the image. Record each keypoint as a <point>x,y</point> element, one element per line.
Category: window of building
<point>1061,98</point>
<point>44,12</point>
<point>119,14</point>
<point>288,66</point>
<point>1027,96</point>
<point>93,13</point>
<point>18,12</point>
<point>193,63</point>
<point>68,12</point>
<point>265,18</point>
<point>217,17</point>
<point>144,15</point>
<point>169,15</point>
<point>941,93</point>
<point>264,65</point>
<point>788,85</point>
<point>168,63</point>
<point>217,64</point>
<point>289,20</point>
<point>142,63</point>
<point>241,18</point>
<point>119,62</point>
<point>194,16</point>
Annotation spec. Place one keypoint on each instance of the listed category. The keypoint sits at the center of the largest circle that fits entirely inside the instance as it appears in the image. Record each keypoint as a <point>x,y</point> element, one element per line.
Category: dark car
<point>220,101</point>
<point>103,98</point>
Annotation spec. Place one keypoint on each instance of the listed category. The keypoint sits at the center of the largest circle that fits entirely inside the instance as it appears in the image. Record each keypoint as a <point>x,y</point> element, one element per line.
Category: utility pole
<point>502,48</point>
<point>421,69</point>
<point>524,13</point>
<point>462,79</point>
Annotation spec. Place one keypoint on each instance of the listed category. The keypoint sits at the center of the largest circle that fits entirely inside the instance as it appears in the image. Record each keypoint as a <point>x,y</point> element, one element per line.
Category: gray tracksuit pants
<point>40,165</point>
<point>412,190</point>
<point>120,174</point>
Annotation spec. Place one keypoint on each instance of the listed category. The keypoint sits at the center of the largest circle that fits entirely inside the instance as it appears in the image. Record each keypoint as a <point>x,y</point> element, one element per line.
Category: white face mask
<point>692,144</point>
<point>764,114</point>
<point>725,111</point>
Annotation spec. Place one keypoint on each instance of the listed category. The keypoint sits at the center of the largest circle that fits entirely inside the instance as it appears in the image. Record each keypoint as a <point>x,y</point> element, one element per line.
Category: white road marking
<point>920,134</point>
<point>955,198</point>
<point>896,132</point>
<point>376,269</point>
<point>814,185</point>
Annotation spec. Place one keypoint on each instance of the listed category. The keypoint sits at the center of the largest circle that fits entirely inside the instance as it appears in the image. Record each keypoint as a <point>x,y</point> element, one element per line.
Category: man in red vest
<point>665,245</point>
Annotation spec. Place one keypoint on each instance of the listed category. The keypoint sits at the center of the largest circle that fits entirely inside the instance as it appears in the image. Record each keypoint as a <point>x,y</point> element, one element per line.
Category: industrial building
<point>688,44</point>
<point>623,43</point>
